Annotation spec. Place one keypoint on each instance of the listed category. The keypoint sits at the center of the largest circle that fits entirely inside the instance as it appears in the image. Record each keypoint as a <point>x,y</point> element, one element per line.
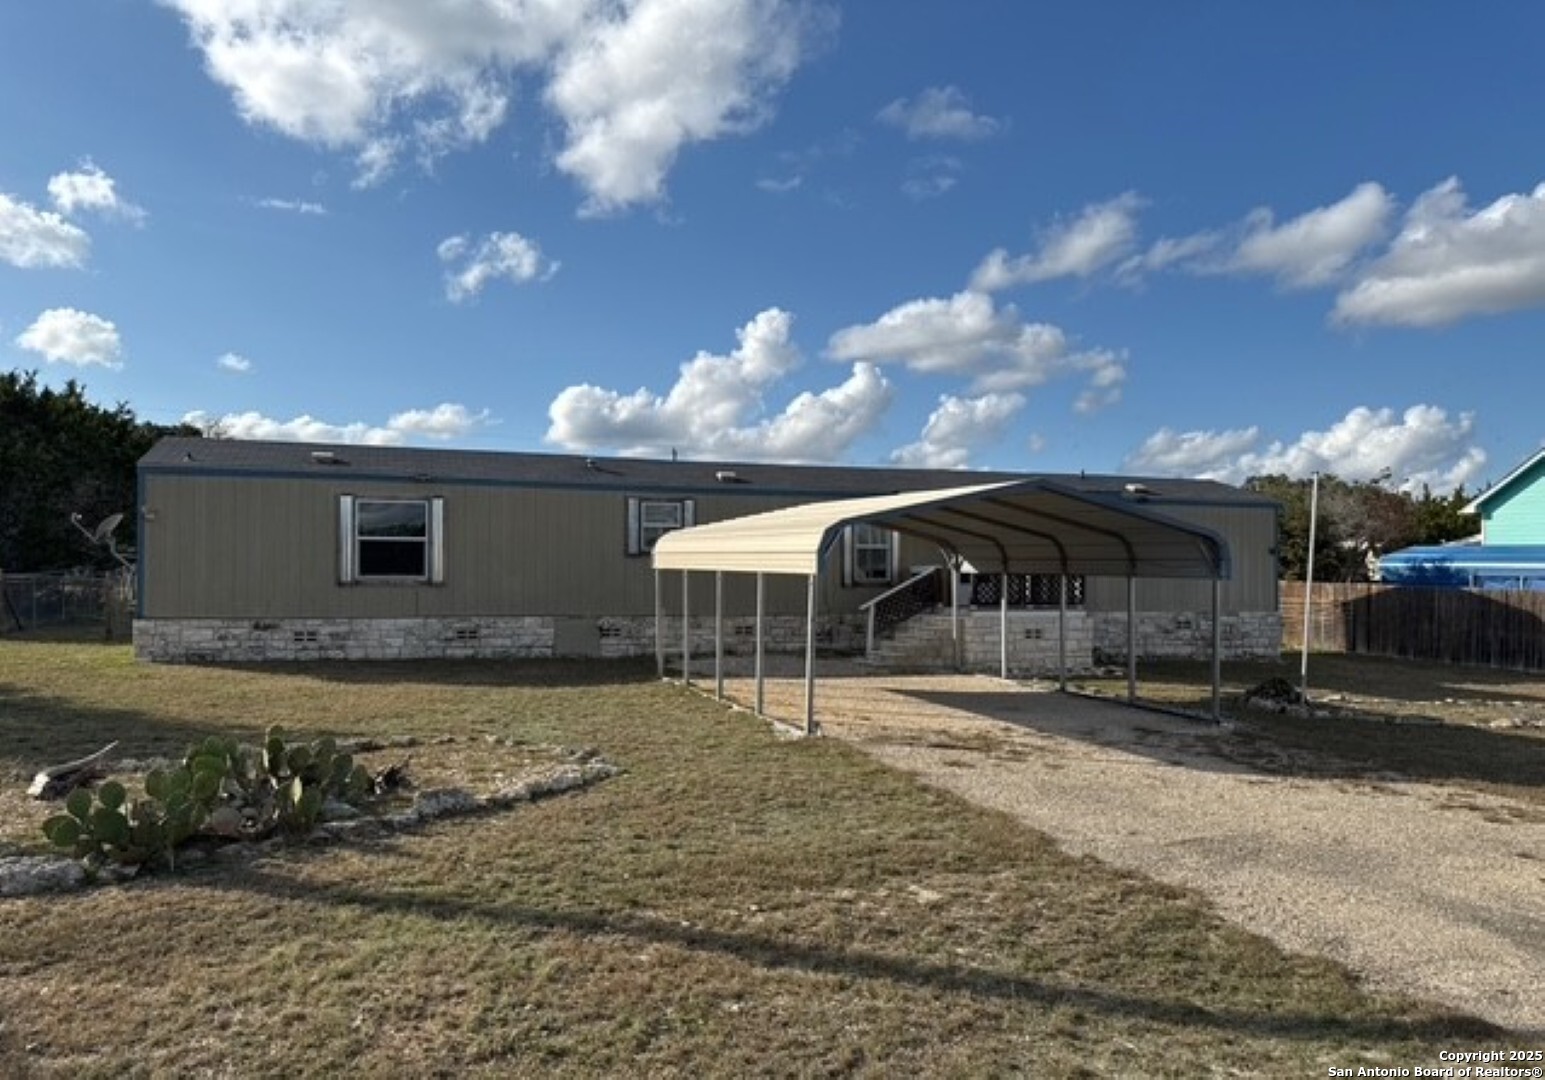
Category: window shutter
<point>895,539</point>
<point>436,541</point>
<point>847,556</point>
<point>346,570</point>
<point>688,513</point>
<point>634,546</point>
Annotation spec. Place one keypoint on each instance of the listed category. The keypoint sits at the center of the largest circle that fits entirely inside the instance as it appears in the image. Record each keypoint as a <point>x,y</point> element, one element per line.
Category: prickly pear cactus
<point>221,789</point>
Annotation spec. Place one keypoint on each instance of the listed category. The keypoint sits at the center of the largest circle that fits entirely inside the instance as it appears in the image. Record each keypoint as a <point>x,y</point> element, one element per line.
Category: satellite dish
<point>102,535</point>
<point>105,528</point>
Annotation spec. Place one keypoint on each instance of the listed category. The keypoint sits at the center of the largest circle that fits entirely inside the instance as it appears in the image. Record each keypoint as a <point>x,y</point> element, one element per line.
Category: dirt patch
<point>1372,870</point>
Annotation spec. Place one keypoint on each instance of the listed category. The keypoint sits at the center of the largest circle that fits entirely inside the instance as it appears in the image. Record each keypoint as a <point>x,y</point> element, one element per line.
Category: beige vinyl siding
<point>1251,532</point>
<point>223,547</point>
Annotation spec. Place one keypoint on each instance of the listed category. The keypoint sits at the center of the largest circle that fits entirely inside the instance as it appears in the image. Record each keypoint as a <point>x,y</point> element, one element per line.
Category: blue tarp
<point>1467,566</point>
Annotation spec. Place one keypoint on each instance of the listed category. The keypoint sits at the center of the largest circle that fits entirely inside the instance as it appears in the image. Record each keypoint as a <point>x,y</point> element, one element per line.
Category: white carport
<point>1014,527</point>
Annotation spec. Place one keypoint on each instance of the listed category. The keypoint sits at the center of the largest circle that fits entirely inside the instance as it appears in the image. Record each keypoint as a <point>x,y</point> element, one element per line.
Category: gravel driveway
<point>1432,890</point>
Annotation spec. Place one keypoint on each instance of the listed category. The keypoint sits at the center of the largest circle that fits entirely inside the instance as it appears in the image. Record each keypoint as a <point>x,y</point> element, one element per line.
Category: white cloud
<point>1317,247</point>
<point>795,167</point>
<point>443,422</point>
<point>1420,446</point>
<point>1101,235</point>
<point>958,426</point>
<point>375,161</point>
<point>1211,454</point>
<point>930,177</point>
<point>470,266</point>
<point>780,186</point>
<point>89,188</point>
<point>637,86</point>
<point>235,363</point>
<point>958,335</point>
<point>1187,252</point>
<point>294,206</point>
<point>968,336</point>
<point>1449,263</point>
<point>939,112</point>
<point>717,406</point>
<point>1107,376</point>
<point>30,237</point>
<point>632,82</point>
<point>343,74</point>
<point>67,336</point>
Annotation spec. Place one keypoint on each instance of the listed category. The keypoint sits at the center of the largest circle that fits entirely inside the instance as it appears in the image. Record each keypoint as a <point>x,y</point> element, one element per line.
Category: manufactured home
<point>253,551</point>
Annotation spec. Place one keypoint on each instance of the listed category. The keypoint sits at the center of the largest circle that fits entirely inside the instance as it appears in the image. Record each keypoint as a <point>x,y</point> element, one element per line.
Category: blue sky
<point>1180,238</point>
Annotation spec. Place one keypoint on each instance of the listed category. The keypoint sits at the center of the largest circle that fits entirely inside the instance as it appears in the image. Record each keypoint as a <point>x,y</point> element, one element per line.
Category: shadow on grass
<point>39,730</point>
<point>522,672</point>
<point>1338,748</point>
<point>1436,753</point>
<point>1407,682</point>
<point>782,954</point>
<point>63,634</point>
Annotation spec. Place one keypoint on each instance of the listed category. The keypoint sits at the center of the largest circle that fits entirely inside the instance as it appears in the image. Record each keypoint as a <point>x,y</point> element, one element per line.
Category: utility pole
<point>1314,511</point>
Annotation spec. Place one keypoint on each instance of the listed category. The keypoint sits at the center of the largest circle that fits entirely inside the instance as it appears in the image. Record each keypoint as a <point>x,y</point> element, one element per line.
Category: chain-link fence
<point>33,601</point>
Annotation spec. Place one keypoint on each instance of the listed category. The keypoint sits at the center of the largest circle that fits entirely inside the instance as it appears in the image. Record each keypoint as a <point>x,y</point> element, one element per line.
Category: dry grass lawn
<point>734,904</point>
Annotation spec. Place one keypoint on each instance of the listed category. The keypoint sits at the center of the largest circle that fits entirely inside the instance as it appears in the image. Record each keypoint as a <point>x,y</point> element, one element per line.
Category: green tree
<point>61,455</point>
<point>1439,518</point>
<point>1357,519</point>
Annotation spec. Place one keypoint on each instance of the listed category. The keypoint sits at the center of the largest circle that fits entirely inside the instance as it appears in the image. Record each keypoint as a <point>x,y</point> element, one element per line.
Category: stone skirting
<point>1032,642</point>
<point>924,643</point>
<point>1093,637</point>
<point>1185,635</point>
<point>256,640</point>
<point>249,640</point>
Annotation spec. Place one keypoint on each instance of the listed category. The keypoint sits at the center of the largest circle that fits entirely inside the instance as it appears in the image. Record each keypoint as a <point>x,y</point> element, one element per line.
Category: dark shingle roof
<point>241,457</point>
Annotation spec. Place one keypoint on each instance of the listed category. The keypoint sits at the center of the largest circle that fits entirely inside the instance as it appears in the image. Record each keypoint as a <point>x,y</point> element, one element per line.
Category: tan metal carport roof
<point>1032,526</point>
<point>1012,527</point>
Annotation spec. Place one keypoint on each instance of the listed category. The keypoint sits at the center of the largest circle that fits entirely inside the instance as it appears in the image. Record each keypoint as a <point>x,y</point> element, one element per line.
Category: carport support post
<point>1062,632</point>
<point>718,635</point>
<point>686,631</point>
<point>659,627</point>
<point>1131,639</point>
<point>1217,651</point>
<point>760,596</point>
<point>955,611</point>
<point>810,657</point>
<point>1003,628</point>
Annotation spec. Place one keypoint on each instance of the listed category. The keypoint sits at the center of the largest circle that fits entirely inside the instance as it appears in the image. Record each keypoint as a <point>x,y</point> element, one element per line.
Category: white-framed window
<point>390,539</point>
<point>870,555</point>
<point>650,519</point>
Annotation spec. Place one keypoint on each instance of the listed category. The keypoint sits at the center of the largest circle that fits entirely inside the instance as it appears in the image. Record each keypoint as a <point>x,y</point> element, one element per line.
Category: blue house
<point>1511,553</point>
<point>1512,511</point>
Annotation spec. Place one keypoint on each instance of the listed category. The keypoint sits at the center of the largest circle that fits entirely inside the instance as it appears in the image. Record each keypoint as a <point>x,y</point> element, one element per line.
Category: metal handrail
<point>870,607</point>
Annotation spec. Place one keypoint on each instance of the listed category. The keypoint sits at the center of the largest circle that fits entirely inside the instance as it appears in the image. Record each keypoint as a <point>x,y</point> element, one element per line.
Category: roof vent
<point>1137,491</point>
<point>325,457</point>
<point>727,476</point>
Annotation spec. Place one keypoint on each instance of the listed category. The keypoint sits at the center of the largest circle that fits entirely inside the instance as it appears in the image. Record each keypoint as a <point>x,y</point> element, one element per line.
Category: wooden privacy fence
<point>1494,628</point>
